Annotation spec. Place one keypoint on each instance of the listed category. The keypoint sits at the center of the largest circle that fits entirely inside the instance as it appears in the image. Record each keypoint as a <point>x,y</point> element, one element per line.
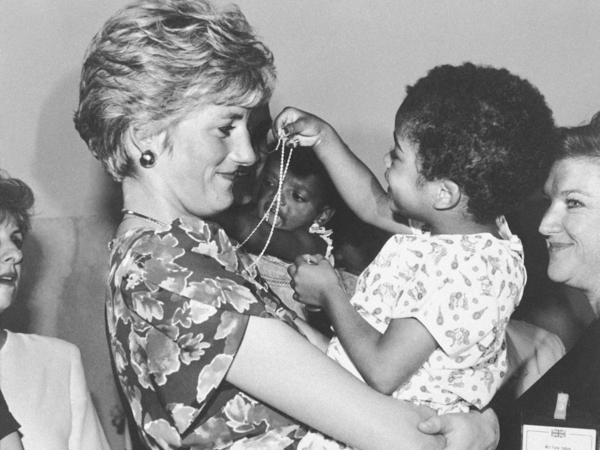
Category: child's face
<point>301,201</point>
<point>407,192</point>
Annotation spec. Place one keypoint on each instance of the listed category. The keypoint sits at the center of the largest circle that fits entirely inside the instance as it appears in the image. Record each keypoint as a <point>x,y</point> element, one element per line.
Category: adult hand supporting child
<point>472,431</point>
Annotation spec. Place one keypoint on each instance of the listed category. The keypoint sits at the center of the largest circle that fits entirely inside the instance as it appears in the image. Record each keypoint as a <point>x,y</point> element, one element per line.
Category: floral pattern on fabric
<point>463,289</point>
<point>178,303</point>
<point>274,271</point>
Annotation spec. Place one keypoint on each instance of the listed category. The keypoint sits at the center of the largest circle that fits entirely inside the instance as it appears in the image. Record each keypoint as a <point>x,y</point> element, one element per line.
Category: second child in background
<point>308,201</point>
<point>427,322</point>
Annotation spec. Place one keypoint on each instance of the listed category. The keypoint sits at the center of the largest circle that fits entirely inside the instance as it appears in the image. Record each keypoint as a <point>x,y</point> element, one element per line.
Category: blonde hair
<point>155,61</point>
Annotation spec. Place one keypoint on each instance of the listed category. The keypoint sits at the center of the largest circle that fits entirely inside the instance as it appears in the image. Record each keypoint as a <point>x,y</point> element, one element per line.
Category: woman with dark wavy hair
<point>42,378</point>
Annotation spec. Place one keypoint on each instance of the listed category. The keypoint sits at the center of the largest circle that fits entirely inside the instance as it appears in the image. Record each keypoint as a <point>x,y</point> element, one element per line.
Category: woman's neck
<point>146,199</point>
<point>143,206</point>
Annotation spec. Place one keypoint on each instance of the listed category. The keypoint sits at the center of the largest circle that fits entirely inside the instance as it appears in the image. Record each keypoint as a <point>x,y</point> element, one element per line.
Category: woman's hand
<point>465,431</point>
<point>304,129</point>
<point>313,278</point>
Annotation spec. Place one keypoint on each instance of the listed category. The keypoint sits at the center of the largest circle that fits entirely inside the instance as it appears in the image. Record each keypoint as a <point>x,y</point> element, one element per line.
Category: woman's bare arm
<point>315,337</point>
<point>279,367</point>
<point>11,442</point>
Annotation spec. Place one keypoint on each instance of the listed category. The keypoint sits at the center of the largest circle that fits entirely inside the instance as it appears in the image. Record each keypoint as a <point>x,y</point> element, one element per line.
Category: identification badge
<point>558,433</point>
<point>557,437</point>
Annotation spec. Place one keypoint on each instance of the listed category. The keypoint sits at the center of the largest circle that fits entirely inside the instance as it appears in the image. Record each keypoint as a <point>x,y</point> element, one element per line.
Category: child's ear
<point>448,194</point>
<point>326,214</point>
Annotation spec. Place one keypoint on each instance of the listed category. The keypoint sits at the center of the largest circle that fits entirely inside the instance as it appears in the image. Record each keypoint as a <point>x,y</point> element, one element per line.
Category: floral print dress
<point>178,303</point>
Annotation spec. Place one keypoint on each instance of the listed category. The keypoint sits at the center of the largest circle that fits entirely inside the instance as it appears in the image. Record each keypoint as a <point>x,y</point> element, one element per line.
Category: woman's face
<point>11,240</point>
<point>209,147</point>
<point>571,224</point>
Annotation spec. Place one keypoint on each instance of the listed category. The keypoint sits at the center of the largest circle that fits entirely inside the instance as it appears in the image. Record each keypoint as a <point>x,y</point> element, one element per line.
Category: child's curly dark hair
<point>485,129</point>
<point>16,201</point>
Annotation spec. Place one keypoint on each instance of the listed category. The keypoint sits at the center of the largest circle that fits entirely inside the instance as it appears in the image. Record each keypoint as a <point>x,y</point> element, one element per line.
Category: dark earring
<point>148,159</point>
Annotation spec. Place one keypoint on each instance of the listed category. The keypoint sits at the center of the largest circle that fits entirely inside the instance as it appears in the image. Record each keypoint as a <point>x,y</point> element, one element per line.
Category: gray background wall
<point>346,60</point>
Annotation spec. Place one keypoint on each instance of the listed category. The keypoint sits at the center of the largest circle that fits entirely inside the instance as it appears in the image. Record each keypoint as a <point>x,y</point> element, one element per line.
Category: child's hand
<point>312,278</point>
<point>303,128</point>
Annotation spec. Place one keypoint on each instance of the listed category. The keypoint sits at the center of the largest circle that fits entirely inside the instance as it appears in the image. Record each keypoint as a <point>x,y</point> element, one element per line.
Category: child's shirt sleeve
<point>458,290</point>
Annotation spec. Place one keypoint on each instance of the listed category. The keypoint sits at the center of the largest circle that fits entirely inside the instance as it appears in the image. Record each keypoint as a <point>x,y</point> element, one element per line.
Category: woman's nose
<point>10,253</point>
<point>387,160</point>
<point>551,222</point>
<point>244,154</point>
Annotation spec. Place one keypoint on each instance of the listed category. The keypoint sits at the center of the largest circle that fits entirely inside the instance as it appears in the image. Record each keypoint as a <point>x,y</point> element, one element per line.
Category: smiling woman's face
<point>11,257</point>
<point>209,148</point>
<point>571,224</point>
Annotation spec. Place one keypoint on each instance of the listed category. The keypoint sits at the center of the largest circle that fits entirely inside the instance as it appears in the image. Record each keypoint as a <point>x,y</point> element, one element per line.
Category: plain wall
<point>345,60</point>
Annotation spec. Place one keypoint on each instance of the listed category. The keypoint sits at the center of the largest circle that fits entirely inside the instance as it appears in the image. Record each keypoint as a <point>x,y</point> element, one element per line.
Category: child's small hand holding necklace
<point>313,278</point>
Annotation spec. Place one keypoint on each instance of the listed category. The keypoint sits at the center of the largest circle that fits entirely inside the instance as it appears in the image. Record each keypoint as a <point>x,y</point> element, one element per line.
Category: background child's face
<point>407,192</point>
<point>301,202</point>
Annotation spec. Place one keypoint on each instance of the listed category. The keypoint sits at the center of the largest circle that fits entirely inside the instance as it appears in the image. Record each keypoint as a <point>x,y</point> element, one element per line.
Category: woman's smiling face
<point>571,224</point>
<point>208,149</point>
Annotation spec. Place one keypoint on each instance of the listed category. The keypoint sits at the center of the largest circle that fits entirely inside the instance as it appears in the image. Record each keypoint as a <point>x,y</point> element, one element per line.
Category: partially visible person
<point>570,226</point>
<point>43,380</point>
<point>308,201</point>
<point>10,439</point>
<point>206,355</point>
<point>241,220</point>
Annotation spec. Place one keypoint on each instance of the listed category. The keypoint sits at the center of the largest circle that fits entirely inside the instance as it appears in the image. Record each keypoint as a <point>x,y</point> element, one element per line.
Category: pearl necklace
<point>283,168</point>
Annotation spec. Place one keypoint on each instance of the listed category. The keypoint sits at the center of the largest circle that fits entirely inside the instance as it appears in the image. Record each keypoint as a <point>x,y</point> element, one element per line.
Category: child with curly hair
<point>427,322</point>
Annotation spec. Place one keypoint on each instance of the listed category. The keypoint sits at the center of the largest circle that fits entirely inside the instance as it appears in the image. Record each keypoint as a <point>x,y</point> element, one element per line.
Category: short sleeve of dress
<point>8,424</point>
<point>181,301</point>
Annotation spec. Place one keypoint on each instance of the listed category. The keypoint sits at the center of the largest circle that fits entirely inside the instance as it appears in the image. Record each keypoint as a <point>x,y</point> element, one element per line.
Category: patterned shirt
<point>463,289</point>
<point>178,303</point>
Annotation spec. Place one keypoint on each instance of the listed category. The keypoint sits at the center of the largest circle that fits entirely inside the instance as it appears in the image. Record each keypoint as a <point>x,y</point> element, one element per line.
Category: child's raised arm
<point>355,182</point>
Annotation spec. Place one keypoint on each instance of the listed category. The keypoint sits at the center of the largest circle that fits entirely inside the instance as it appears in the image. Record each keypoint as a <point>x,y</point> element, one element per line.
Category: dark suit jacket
<point>577,373</point>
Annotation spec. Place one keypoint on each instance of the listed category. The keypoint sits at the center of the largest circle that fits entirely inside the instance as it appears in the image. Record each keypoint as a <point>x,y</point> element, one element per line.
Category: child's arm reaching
<point>385,361</point>
<point>355,182</point>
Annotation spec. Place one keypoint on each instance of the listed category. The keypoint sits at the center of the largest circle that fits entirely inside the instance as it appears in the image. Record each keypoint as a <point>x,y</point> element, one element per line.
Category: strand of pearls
<point>283,168</point>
